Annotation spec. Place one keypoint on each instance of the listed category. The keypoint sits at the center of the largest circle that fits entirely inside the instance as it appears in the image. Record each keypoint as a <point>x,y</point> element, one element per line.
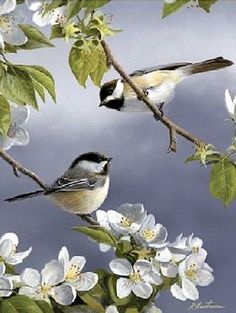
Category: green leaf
<point>42,76</point>
<point>131,310</point>
<point>17,86</point>
<point>94,298</point>
<point>101,67</point>
<point>36,39</point>
<point>94,4</point>
<point>98,233</point>
<point>170,8</point>
<point>20,304</point>
<point>5,116</point>
<point>79,309</point>
<point>53,5</point>
<point>206,4</point>
<point>39,89</point>
<point>74,7</point>
<point>56,32</point>
<point>82,61</point>
<point>223,181</point>
<point>44,306</point>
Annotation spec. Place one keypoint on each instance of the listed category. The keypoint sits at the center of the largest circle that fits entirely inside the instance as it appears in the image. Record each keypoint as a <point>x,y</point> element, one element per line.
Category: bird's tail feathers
<point>205,66</point>
<point>25,196</point>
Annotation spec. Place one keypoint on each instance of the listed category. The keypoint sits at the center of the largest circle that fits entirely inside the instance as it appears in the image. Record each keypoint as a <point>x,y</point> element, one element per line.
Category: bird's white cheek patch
<point>118,91</point>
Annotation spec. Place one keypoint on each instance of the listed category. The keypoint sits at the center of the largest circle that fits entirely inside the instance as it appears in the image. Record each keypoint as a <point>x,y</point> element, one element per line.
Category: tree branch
<point>173,128</point>
<point>17,167</point>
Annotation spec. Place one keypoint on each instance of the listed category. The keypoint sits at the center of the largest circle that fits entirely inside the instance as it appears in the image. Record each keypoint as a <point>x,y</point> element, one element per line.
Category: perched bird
<point>82,188</point>
<point>157,82</point>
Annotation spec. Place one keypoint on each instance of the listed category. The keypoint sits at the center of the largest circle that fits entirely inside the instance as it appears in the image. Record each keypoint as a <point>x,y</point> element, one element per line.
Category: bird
<point>82,189</point>
<point>158,83</point>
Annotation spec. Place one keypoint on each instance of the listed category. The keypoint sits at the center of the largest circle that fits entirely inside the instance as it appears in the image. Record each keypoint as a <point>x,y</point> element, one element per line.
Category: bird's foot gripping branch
<point>144,265</point>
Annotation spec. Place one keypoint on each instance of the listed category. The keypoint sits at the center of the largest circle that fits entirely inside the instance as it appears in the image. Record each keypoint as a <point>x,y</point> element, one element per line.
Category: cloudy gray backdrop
<point>142,171</point>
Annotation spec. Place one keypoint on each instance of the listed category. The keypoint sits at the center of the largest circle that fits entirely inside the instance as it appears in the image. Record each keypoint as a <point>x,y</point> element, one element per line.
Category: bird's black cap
<point>92,157</point>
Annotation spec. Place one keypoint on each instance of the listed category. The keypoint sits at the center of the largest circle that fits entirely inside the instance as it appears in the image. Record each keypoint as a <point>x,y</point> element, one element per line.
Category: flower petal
<point>204,277</point>
<point>19,136</point>
<point>121,266</point>
<point>59,16</point>
<point>189,290</point>
<point>7,285</point>
<point>123,287</point>
<point>7,143</point>
<point>230,106</point>
<point>169,270</point>
<point>19,115</point>
<point>6,248</point>
<point>18,257</point>
<point>79,261</point>
<point>12,237</point>
<point>104,248</point>
<point>30,277</point>
<point>86,281</point>
<point>177,292</point>
<point>15,36</point>
<point>149,222</point>
<point>40,19</point>
<point>63,294</point>
<point>63,256</point>
<point>111,309</point>
<point>33,5</point>
<point>7,6</point>
<point>153,278</point>
<point>163,255</point>
<point>142,266</point>
<point>2,268</point>
<point>53,273</point>
<point>142,289</point>
<point>30,292</point>
<point>102,219</point>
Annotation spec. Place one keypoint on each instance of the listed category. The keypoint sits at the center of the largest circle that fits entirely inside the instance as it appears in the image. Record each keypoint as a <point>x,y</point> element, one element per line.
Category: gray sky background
<point>142,171</point>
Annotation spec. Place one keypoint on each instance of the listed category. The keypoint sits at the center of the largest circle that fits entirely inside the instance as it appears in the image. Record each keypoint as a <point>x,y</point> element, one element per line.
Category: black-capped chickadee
<point>157,82</point>
<point>82,188</point>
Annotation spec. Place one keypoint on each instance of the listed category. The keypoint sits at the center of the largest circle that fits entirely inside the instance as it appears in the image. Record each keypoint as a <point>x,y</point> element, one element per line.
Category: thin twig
<point>173,128</point>
<point>88,218</point>
<point>173,143</point>
<point>18,167</point>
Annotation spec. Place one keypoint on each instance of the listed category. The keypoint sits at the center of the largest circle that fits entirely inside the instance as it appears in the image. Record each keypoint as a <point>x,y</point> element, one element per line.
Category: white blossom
<point>152,234</point>
<point>193,271</point>
<point>111,309</point>
<point>8,249</point>
<point>102,219</point>
<point>151,308</point>
<point>17,135</point>
<point>170,1</point>
<point>56,16</point>
<point>50,283</point>
<point>6,284</point>
<point>73,268</point>
<point>127,219</point>
<point>230,105</point>
<point>10,32</point>
<point>137,278</point>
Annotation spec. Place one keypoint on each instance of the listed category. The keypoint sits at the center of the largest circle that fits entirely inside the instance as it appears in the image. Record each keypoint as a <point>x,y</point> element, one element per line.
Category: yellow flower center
<point>135,276</point>
<point>44,289</point>
<point>126,222</point>
<point>5,24</point>
<point>73,272</point>
<point>148,234</point>
<point>191,272</point>
<point>195,249</point>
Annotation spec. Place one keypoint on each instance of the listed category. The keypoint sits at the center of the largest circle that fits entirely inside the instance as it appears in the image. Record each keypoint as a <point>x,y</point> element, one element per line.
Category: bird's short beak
<point>102,104</point>
<point>109,159</point>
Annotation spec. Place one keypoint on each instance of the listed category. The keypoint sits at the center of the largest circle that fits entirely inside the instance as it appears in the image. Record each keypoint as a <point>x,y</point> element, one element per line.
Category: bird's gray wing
<point>64,184</point>
<point>147,70</point>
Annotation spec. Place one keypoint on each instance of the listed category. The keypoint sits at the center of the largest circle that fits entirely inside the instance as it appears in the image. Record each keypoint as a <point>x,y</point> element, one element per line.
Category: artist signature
<point>207,305</point>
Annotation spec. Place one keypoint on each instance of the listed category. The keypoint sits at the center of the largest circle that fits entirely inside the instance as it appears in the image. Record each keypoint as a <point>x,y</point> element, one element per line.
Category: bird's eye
<point>109,92</point>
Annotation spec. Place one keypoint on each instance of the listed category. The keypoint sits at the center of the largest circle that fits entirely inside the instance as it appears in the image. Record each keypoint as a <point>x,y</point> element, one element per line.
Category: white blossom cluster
<point>59,279</point>
<point>183,259</point>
